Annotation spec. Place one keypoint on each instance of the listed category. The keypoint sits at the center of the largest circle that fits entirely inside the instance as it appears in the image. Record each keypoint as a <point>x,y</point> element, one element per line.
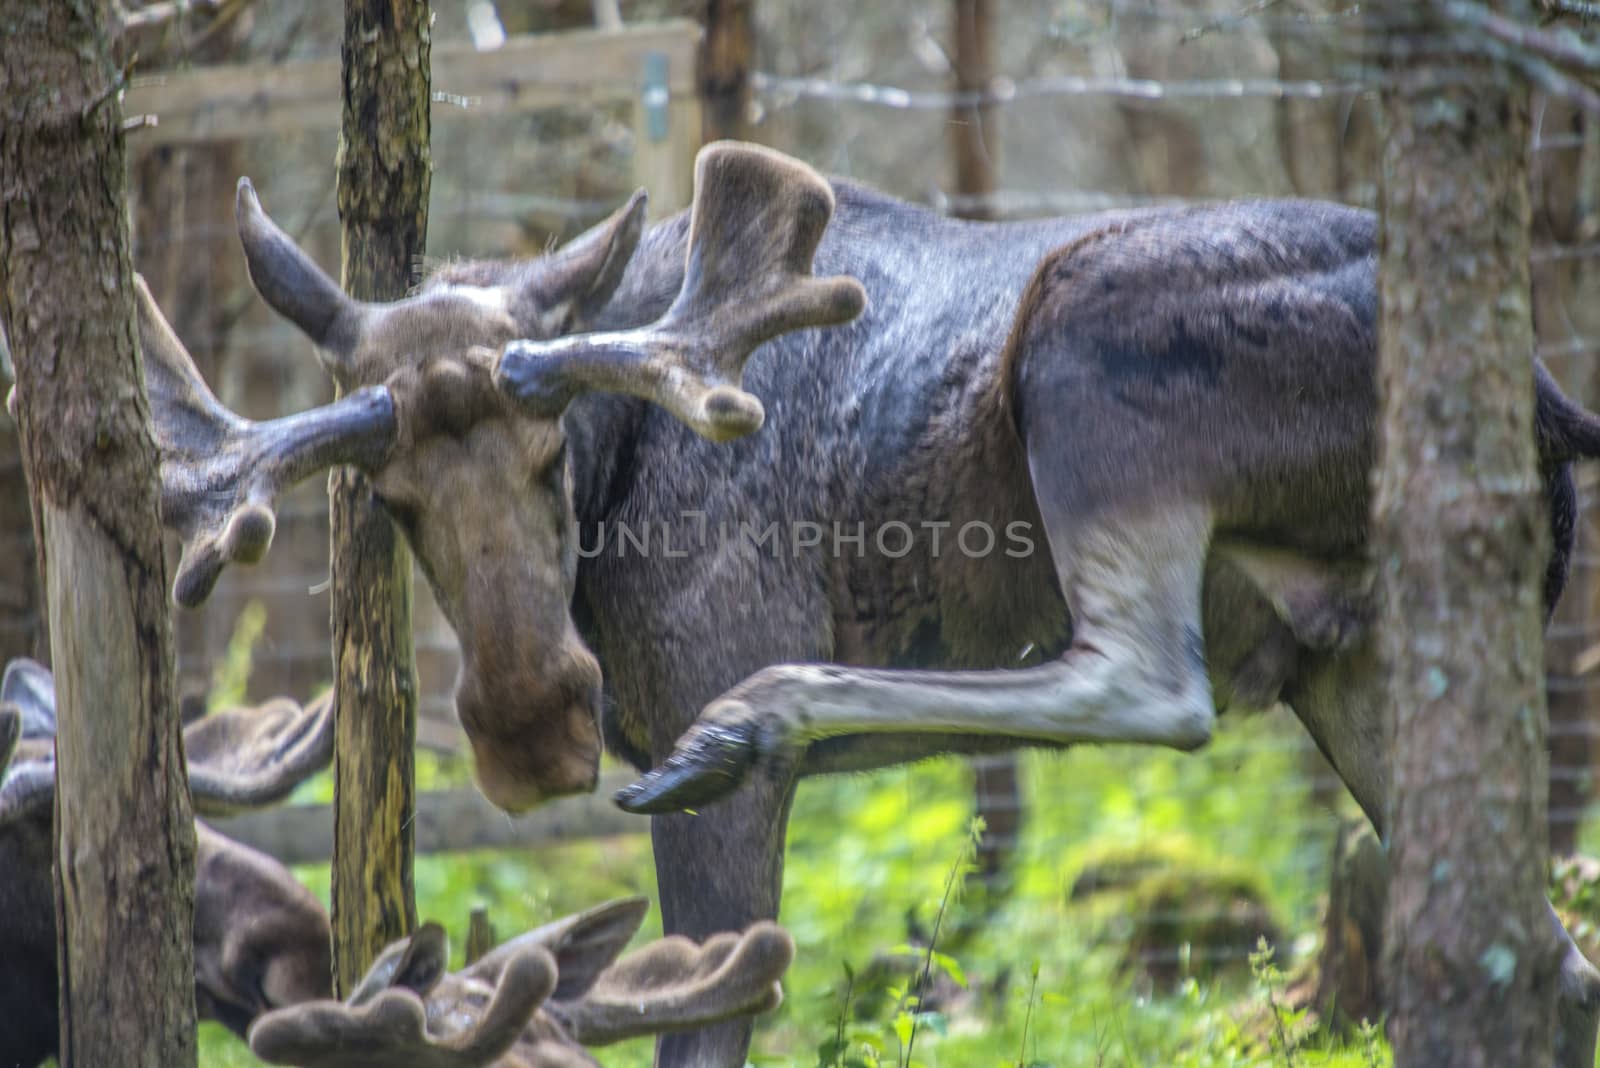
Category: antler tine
<point>757,219</point>
<point>247,758</point>
<point>674,985</point>
<point>394,1027</point>
<point>220,473</point>
<point>584,945</point>
<point>27,764</point>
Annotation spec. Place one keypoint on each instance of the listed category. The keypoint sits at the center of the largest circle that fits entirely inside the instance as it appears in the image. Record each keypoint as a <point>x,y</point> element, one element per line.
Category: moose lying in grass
<point>261,939</point>
<point>262,961</point>
<point>1136,443</point>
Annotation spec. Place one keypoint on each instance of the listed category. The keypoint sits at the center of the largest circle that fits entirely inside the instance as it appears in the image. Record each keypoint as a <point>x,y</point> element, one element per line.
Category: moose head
<point>261,940</point>
<point>453,403</point>
<point>535,1002</point>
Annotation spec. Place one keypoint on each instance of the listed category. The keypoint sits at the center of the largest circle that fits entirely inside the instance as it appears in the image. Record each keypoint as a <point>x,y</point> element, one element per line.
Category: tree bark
<point>1460,547</point>
<point>383,178</point>
<point>124,830</point>
<point>725,57</point>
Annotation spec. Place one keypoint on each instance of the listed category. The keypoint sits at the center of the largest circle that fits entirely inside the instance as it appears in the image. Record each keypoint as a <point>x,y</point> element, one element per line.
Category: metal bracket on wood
<point>654,95</point>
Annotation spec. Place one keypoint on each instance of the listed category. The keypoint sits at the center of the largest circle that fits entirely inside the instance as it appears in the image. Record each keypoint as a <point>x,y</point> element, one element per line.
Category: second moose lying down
<point>262,962</point>
<point>261,940</point>
<point>534,1002</point>
<point>1159,425</point>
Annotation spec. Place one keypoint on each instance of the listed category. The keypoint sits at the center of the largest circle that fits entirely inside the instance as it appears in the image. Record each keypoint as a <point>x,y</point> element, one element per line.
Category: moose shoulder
<point>1122,457</point>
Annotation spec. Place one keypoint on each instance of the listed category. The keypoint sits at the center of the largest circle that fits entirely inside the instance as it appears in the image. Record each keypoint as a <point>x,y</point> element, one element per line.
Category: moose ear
<point>296,287</point>
<point>577,281</point>
<point>29,686</point>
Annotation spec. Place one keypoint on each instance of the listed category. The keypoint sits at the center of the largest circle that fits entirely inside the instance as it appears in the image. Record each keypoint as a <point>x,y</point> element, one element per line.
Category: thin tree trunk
<point>974,144</point>
<point>383,183</point>
<point>725,58</point>
<point>973,131</point>
<point>1460,545</point>
<point>125,833</point>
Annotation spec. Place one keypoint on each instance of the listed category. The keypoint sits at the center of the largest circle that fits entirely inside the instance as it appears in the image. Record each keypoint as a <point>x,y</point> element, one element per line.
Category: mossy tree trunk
<point>124,830</point>
<point>1460,545</point>
<point>384,172</point>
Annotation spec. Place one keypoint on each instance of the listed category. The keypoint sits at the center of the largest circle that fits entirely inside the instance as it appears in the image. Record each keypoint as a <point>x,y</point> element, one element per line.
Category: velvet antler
<point>240,759</point>
<point>220,473</point>
<point>755,225</point>
<point>563,979</point>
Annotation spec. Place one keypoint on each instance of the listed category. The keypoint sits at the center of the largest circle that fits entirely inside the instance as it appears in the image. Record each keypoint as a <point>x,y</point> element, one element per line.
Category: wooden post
<point>1459,543</point>
<point>124,831</point>
<point>383,179</point>
<point>974,135</point>
<point>725,57</point>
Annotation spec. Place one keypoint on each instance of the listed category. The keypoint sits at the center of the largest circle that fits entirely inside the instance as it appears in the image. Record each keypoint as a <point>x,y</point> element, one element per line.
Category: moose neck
<point>602,427</point>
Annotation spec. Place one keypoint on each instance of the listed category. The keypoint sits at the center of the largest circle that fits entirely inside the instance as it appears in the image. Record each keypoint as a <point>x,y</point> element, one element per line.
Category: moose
<point>1173,409</point>
<point>261,942</point>
<point>535,1002</point>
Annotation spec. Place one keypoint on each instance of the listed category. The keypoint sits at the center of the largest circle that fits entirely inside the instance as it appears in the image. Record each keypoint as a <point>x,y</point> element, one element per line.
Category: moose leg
<point>1135,673</point>
<point>721,869</point>
<point>1338,702</point>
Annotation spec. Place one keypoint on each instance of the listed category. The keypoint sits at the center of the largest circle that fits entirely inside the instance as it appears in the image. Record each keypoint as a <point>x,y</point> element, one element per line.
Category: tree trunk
<point>1460,545</point>
<point>384,170</point>
<point>725,58</point>
<point>125,833</point>
<point>974,142</point>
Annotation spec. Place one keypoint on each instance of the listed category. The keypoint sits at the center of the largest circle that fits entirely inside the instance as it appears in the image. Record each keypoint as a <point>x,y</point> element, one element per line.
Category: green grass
<point>1045,986</point>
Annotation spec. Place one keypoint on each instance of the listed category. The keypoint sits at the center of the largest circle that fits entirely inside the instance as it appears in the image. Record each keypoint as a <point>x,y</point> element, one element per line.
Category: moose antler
<point>386,1022</point>
<point>28,714</point>
<point>407,1012</point>
<point>247,758</point>
<point>220,473</point>
<point>10,734</point>
<point>754,228</point>
<point>239,759</point>
<point>675,985</point>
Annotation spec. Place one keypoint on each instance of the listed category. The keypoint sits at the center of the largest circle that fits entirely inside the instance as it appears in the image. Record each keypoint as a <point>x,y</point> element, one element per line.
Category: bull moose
<point>1173,409</point>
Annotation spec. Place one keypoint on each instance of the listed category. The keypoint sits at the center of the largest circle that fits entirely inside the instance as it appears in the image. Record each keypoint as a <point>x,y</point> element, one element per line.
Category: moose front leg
<point>1089,695</point>
<point>721,869</point>
<point>1135,673</point>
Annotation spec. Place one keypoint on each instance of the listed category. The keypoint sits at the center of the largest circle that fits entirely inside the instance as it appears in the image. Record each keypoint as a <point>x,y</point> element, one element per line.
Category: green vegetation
<point>1042,981</point>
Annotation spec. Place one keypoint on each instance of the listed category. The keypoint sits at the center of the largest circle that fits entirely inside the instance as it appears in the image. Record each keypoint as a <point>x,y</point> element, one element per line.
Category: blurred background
<point>1110,909</point>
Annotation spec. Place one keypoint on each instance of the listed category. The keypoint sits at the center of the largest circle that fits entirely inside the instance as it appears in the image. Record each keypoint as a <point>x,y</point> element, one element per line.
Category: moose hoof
<point>709,763</point>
